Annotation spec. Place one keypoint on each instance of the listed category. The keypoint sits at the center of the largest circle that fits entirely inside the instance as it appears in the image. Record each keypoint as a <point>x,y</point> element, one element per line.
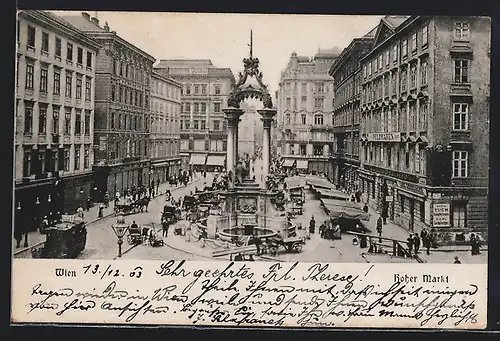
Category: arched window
<point>318,119</point>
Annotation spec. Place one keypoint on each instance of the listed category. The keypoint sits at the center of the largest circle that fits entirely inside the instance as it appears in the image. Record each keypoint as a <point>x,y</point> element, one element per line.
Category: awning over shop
<point>295,182</point>
<point>344,209</point>
<point>332,193</point>
<point>216,160</point>
<point>161,164</point>
<point>288,163</point>
<point>321,182</point>
<point>197,159</point>
<point>302,164</point>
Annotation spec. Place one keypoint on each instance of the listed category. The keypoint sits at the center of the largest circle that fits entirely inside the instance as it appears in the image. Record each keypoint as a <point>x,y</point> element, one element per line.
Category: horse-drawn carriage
<point>147,234</point>
<point>127,206</point>
<point>171,214</point>
<point>291,244</point>
<point>189,202</point>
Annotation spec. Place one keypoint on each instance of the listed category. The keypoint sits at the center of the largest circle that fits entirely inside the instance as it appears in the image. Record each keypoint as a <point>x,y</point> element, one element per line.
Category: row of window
<point>56,82</point>
<point>162,106</point>
<point>165,89</point>
<point>163,125</point>
<point>199,89</point>
<point>129,121</point>
<point>387,85</point>
<point>217,125</point>
<point>204,145</point>
<point>48,160</point>
<point>318,119</point>
<point>80,125</point>
<point>132,72</point>
<point>301,149</point>
<point>164,148</point>
<point>411,117</point>
<point>127,148</point>
<point>128,95</point>
<point>315,87</point>
<point>46,45</point>
<point>346,117</point>
<point>347,92</point>
<point>199,107</point>
<point>291,103</point>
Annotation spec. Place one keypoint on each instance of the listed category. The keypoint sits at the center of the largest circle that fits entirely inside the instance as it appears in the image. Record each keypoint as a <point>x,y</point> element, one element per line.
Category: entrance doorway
<point>412,215</point>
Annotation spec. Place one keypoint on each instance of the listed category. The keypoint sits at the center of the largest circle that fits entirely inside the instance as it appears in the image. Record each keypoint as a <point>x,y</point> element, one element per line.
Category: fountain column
<point>267,117</point>
<point>233,118</point>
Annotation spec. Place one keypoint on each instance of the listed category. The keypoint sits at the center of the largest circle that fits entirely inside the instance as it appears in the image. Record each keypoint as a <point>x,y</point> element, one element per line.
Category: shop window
<point>459,214</point>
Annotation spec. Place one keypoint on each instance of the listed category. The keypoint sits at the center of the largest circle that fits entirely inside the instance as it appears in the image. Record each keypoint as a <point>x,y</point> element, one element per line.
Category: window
<point>380,62</point>
<point>79,88</point>
<point>28,118</point>
<point>423,115</point>
<point>414,42</point>
<point>425,35</point>
<point>55,120</point>
<point>195,125</point>
<point>86,157</point>
<point>387,57</point>
<point>318,119</point>
<point>69,80</point>
<point>79,55</point>
<point>413,77</point>
<point>458,213</point>
<point>461,71</point>
<point>18,31</point>
<point>203,108</point>
<point>58,47</point>
<point>303,88</point>
<point>288,119</point>
<point>77,157</point>
<point>42,120</point>
<point>320,87</point>
<point>45,42</point>
<point>44,74</point>
<point>460,116</point>
<point>188,89</point>
<point>31,36</point>
<point>364,71</point>
<point>88,90</point>
<point>69,52</point>
<point>304,102</point>
<point>112,120</point>
<point>319,103</point>
<point>404,48</point>
<point>403,80</point>
<point>87,123</point>
<point>78,122</point>
<point>113,92</point>
<point>303,118</point>
<point>188,124</point>
<point>217,89</point>
<point>423,73</point>
<point>395,54</point>
<point>369,69</point>
<point>460,168</point>
<point>216,125</point>
<point>462,31</point>
<point>89,60</point>
<point>30,70</point>
<point>394,83</point>
<point>66,159</point>
<point>67,122</point>
<point>196,89</point>
<point>203,89</point>
<point>203,125</point>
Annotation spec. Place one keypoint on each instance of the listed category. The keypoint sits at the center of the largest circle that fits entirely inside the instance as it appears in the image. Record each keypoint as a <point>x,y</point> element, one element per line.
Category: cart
<point>189,202</point>
<point>171,214</point>
<point>125,207</point>
<point>135,236</point>
<point>291,245</point>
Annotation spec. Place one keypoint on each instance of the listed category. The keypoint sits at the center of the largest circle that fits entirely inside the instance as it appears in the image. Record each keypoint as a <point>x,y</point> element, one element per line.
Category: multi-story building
<point>165,127</point>
<point>205,89</point>
<point>305,106</point>
<point>54,116</point>
<point>122,109</point>
<point>346,73</point>
<point>425,130</point>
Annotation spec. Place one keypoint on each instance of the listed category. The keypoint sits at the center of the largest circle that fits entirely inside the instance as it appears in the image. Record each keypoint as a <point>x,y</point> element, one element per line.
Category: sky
<point>224,38</point>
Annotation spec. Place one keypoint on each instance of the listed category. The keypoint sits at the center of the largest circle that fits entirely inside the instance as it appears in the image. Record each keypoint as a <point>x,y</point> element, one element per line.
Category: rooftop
<point>393,21</point>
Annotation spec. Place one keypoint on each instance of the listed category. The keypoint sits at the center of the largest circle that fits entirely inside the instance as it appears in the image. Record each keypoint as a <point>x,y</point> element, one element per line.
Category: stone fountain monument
<point>248,207</point>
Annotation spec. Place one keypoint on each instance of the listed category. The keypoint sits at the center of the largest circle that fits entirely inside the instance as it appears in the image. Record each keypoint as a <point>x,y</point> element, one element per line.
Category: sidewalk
<point>36,239</point>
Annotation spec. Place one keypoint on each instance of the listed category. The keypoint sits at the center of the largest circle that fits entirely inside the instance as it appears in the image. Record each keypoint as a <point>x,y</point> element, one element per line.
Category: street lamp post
<point>120,228</point>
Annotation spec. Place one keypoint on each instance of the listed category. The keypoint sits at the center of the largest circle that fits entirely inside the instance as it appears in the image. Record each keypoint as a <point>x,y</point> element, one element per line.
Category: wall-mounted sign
<point>198,71</point>
<point>103,143</point>
<point>441,215</point>
<point>384,137</point>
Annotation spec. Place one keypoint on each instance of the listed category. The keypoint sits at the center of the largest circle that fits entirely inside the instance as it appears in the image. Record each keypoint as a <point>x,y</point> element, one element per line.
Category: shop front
<point>126,175</point>
<point>215,163</point>
<point>197,162</point>
<point>77,188</point>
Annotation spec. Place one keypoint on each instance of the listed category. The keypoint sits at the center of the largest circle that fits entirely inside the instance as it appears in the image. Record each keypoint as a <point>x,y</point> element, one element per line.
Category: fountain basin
<point>238,231</point>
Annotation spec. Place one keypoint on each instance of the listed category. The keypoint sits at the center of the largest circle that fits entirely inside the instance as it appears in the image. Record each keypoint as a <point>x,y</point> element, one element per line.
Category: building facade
<point>305,106</point>
<point>347,76</point>
<point>424,119</point>
<point>205,89</point>
<point>122,109</point>
<point>165,127</point>
<point>54,116</point>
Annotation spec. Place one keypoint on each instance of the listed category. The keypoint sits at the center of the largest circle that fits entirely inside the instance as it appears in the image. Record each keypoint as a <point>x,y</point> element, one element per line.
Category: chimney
<point>86,15</point>
<point>95,21</point>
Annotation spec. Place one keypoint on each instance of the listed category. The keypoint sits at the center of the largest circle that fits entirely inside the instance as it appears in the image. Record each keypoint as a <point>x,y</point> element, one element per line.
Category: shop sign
<point>441,215</point>
<point>384,137</point>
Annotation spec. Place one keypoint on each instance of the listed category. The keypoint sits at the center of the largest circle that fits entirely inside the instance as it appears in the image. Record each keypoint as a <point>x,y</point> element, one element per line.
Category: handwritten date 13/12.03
<point>105,272</point>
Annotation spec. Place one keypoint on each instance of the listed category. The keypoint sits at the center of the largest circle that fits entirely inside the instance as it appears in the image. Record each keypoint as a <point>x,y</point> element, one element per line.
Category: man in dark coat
<point>416,242</point>
<point>409,243</point>
<point>379,228</point>
<point>312,225</point>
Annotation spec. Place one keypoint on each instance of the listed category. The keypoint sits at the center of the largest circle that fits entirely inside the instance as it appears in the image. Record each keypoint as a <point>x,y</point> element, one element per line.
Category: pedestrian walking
<point>312,225</point>
<point>457,261</point>
<point>416,242</point>
<point>427,244</point>
<point>409,243</point>
<point>379,228</point>
<point>158,186</point>
<point>88,203</point>
<point>101,211</point>
<point>165,226</point>
<point>365,208</point>
<point>106,199</point>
